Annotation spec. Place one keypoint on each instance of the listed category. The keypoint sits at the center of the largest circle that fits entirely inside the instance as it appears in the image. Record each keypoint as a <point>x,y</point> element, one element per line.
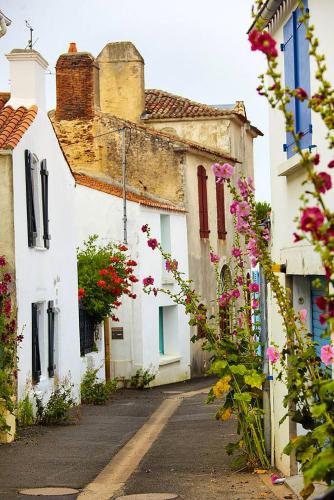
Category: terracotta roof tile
<point>90,182</point>
<point>161,104</point>
<point>14,123</point>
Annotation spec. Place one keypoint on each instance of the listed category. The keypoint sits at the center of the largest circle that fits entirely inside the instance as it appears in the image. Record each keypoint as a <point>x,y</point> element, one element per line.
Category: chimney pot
<point>72,47</point>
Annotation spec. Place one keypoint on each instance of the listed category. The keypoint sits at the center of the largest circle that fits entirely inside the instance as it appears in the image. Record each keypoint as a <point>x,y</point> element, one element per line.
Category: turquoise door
<point>161,331</point>
<point>317,328</point>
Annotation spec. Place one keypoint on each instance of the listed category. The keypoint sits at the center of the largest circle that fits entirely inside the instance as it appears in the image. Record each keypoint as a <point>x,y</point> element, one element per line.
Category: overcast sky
<point>194,48</point>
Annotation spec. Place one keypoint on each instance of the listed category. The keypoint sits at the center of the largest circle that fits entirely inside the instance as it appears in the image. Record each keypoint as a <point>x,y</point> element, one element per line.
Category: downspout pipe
<point>266,13</point>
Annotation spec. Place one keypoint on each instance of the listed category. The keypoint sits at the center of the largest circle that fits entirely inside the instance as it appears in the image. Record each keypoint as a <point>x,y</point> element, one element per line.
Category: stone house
<point>36,231</point>
<point>170,145</point>
<point>301,263</point>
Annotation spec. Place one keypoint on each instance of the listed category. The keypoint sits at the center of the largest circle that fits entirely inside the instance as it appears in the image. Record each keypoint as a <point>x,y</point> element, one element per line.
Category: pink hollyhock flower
<point>253,287</point>
<point>331,164</point>
<point>302,315</point>
<point>323,182</point>
<point>222,172</point>
<point>214,258</point>
<point>3,261</point>
<point>266,234</point>
<point>235,294</point>
<point>243,209</point>
<point>152,243</point>
<point>252,248</point>
<point>273,354</point>
<point>301,94</point>
<point>250,183</point>
<point>264,42</point>
<point>242,225</point>
<point>240,281</point>
<point>236,252</point>
<point>148,281</point>
<point>144,228</point>
<point>224,299</point>
<point>312,218</point>
<point>253,262</point>
<point>327,354</point>
<point>243,187</point>
<point>255,304</point>
<point>321,303</point>
<point>200,317</point>
<point>233,207</point>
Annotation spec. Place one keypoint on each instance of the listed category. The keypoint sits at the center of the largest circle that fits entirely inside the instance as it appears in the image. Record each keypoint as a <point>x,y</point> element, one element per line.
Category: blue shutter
<point>289,72</point>
<point>303,80</point>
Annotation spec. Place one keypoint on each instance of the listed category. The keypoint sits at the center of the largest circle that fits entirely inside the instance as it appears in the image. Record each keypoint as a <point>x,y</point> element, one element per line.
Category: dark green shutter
<point>45,203</point>
<point>51,338</point>
<point>31,218</point>
<point>36,360</point>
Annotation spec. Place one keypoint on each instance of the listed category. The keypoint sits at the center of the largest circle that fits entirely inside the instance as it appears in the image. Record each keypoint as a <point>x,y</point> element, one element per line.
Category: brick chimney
<point>27,78</point>
<point>77,86</point>
<point>122,90</point>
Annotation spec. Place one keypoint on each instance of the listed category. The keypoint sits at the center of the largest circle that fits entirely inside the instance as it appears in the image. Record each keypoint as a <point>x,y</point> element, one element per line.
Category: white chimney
<point>27,78</point>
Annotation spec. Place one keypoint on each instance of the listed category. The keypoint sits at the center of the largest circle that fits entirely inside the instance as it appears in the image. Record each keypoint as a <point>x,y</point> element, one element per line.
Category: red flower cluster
<point>152,243</point>
<point>326,305</point>
<point>81,293</point>
<point>301,94</point>
<point>261,40</point>
<point>311,220</point>
<point>323,182</point>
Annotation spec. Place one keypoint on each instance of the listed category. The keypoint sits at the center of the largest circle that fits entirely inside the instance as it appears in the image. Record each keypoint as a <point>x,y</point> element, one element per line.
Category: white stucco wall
<point>286,189</point>
<point>43,275</point>
<point>100,213</point>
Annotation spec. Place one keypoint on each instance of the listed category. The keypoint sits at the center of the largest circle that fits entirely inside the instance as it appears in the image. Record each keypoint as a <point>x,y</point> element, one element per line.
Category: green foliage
<point>25,412</point>
<point>141,379</point>
<point>94,392</point>
<point>8,345</point>
<point>57,409</point>
<point>103,276</point>
<point>263,210</point>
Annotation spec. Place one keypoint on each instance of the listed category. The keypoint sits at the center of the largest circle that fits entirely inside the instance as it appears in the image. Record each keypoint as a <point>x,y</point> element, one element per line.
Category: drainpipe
<point>266,13</point>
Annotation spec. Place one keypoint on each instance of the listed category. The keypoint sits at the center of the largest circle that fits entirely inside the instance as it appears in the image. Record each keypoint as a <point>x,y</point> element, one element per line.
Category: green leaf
<point>318,410</point>
<point>238,369</point>
<point>218,366</point>
<point>306,455</point>
<point>254,379</point>
<point>243,396</point>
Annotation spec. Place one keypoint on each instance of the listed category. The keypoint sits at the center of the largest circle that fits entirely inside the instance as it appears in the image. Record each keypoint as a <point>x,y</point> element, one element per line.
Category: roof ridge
<point>179,97</point>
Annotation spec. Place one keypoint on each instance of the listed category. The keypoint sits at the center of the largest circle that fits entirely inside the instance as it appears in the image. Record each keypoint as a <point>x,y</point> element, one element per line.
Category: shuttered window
<point>202,202</point>
<point>221,226</point>
<point>31,214</point>
<point>297,74</point>
<point>51,338</point>
<point>45,203</point>
<point>36,359</point>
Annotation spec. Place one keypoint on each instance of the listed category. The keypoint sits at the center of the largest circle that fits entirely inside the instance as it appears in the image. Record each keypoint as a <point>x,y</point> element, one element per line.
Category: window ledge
<point>168,360</point>
<point>290,166</point>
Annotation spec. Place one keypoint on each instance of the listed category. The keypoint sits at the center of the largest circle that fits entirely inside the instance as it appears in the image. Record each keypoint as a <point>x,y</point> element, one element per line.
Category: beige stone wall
<point>121,81</point>
<point>93,147</point>
<point>7,247</point>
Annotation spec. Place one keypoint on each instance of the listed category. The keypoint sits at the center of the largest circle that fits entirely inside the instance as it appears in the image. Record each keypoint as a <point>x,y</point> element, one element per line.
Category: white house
<point>153,333</point>
<point>302,262</point>
<point>37,230</point>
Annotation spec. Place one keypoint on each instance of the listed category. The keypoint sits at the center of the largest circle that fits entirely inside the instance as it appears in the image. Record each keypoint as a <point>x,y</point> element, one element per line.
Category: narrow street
<point>187,458</point>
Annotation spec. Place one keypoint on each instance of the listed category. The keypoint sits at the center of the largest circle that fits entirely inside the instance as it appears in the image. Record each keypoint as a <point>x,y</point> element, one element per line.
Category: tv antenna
<point>31,29</point>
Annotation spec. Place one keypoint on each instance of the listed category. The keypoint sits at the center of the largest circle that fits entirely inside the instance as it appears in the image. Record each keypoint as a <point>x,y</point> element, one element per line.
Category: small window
<point>37,199</point>
<point>87,332</point>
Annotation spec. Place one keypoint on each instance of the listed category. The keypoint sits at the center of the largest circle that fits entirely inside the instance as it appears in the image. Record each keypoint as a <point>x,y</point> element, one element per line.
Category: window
<point>87,332</point>
<point>202,202</point>
<point>37,199</point>
<point>297,74</point>
<point>221,227</point>
<point>43,341</point>
<point>168,331</point>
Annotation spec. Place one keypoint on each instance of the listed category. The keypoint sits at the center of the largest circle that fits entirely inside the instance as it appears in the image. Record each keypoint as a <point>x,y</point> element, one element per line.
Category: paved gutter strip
<point>115,474</point>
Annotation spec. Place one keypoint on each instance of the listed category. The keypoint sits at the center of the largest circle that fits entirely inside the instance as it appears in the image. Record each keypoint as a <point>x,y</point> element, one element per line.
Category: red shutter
<point>202,202</point>
<point>221,227</point>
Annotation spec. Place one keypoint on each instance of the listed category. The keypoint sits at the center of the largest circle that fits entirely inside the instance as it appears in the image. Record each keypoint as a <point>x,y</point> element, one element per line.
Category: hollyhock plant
<point>152,243</point>
<point>236,252</point>
<point>312,219</point>
<point>273,354</point>
<point>262,40</point>
<point>148,281</point>
<point>323,182</point>
<point>253,287</point>
<point>327,354</point>
<point>214,258</point>
<point>222,172</point>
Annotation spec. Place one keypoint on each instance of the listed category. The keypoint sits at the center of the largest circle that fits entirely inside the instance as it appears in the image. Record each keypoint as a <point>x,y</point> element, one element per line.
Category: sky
<point>193,48</point>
